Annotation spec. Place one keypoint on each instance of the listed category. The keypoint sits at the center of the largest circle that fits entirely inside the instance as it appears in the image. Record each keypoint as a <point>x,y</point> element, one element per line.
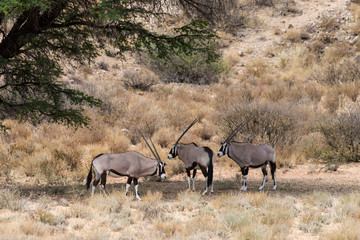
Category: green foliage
<point>198,68</point>
<point>44,34</point>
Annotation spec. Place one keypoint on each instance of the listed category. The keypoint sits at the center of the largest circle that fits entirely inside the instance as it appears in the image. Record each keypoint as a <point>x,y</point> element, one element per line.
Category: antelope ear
<point>165,164</point>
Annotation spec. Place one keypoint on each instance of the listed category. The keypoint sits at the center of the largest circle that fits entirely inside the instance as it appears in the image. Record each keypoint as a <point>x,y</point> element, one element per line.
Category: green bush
<point>193,69</point>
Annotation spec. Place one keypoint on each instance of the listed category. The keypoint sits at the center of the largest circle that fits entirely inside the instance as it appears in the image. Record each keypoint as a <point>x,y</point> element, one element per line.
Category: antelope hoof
<point>274,188</point>
<point>204,192</point>
<point>243,188</point>
<point>261,188</point>
<point>139,198</point>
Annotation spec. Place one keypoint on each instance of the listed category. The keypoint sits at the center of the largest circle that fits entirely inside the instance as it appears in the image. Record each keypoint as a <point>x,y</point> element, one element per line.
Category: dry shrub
<point>349,207</point>
<point>152,197</point>
<point>231,59</point>
<point>349,229</point>
<point>355,28</point>
<point>342,136</point>
<point>180,115</point>
<point>314,91</point>
<point>94,134</point>
<point>176,167</point>
<point>31,228</point>
<point>145,116</point>
<point>118,143</point>
<point>276,93</point>
<point>331,100</point>
<point>346,71</point>
<point>278,212</point>
<point>140,79</point>
<point>317,47</point>
<point>296,60</point>
<point>169,228</point>
<point>264,2</point>
<point>47,217</point>
<point>257,67</point>
<point>70,156</point>
<point>335,52</point>
<point>233,20</point>
<point>351,90</point>
<point>311,221</point>
<point>165,137</point>
<point>107,205</point>
<point>329,24</point>
<point>78,210</point>
<point>294,35</point>
<point>103,65</point>
<point>322,200</point>
<point>11,199</point>
<point>189,201</point>
<point>275,124</point>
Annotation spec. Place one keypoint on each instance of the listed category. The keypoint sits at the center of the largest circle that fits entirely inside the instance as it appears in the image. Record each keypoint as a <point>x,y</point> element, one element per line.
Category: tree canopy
<point>38,36</point>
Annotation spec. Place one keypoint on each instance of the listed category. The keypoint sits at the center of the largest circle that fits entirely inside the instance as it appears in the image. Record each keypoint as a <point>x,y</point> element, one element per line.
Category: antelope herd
<point>135,165</point>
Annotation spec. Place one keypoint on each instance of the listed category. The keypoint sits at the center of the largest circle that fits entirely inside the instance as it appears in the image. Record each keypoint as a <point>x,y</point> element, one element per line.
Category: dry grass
<point>316,76</point>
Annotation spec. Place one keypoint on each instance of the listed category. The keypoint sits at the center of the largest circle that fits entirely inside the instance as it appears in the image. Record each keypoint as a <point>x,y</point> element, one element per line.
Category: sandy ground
<point>298,180</point>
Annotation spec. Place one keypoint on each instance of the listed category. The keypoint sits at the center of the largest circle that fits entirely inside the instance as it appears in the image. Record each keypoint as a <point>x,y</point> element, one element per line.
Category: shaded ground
<point>296,181</point>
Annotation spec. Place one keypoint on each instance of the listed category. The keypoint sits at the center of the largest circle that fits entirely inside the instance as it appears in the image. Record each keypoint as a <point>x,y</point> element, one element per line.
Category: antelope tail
<point>89,178</point>
<point>210,169</point>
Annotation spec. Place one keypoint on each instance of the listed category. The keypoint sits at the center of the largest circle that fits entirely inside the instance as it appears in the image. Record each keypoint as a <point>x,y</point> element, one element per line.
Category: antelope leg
<point>193,179</point>
<point>136,189</point>
<point>244,186</point>
<point>244,172</point>
<point>188,177</point>
<point>128,184</point>
<point>206,189</point>
<point>265,177</point>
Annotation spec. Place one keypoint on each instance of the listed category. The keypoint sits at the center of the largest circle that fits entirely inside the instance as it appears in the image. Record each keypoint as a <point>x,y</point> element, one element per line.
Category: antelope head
<point>225,145</point>
<point>160,166</point>
<point>174,150</point>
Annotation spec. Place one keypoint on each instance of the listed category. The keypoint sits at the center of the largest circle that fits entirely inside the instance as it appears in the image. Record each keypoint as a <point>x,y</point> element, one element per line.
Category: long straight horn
<point>233,133</point>
<point>147,144</point>
<point>158,157</point>
<point>192,124</point>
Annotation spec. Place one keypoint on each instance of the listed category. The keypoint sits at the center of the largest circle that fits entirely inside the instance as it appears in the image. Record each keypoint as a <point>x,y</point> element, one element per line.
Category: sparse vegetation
<point>291,81</point>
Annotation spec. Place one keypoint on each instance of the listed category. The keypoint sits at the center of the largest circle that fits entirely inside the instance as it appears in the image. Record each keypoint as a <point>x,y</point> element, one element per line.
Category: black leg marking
<point>103,182</point>
<point>188,171</point>
<point>194,173</point>
<point>245,171</point>
<point>129,180</point>
<point>96,182</point>
<point>264,170</point>
<point>204,171</point>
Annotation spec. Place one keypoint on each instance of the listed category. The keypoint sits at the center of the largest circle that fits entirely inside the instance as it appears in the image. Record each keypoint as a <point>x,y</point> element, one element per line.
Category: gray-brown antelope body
<point>248,156</point>
<point>131,164</point>
<point>195,157</point>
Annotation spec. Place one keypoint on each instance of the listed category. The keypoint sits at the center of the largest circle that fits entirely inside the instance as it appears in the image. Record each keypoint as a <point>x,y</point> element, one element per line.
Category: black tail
<point>210,167</point>
<point>89,178</point>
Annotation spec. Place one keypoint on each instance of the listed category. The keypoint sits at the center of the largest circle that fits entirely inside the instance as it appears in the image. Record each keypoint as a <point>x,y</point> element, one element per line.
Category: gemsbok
<point>195,157</point>
<point>131,164</point>
<point>248,155</point>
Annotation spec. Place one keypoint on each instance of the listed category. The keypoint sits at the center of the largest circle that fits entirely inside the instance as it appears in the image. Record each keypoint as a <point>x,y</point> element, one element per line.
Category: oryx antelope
<point>131,164</point>
<point>249,155</point>
<point>195,157</point>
